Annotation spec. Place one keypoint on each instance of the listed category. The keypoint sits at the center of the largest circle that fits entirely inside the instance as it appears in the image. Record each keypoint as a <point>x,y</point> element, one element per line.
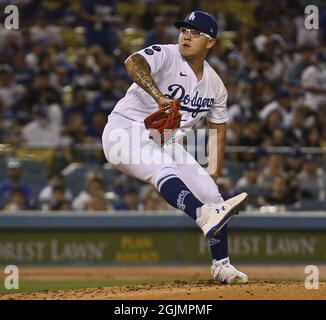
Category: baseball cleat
<point>225,273</point>
<point>213,217</point>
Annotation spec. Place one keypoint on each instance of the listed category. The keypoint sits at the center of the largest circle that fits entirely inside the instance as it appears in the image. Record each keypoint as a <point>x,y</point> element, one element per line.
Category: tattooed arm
<point>140,72</point>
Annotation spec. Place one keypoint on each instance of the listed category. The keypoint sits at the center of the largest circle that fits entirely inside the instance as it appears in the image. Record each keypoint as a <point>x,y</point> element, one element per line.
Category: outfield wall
<point>34,238</point>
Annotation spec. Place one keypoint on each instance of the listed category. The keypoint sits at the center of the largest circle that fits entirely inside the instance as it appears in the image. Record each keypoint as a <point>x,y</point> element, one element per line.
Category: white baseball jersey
<point>176,80</point>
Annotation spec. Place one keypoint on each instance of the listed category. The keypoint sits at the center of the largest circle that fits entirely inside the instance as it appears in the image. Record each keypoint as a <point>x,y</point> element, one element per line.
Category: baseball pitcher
<point>174,88</point>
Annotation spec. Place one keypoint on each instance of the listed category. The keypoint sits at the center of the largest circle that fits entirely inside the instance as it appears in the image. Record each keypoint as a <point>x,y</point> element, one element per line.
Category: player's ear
<point>210,43</point>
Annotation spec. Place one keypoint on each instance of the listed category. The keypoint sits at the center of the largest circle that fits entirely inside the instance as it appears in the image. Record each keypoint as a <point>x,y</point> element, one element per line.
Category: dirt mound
<point>206,290</point>
<point>173,282</point>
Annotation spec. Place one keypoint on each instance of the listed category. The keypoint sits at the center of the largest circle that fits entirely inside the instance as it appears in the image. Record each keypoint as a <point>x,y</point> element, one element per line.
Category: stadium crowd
<point>62,73</point>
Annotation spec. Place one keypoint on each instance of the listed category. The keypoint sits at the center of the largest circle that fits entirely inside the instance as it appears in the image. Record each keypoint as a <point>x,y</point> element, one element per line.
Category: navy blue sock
<point>219,245</point>
<point>176,193</point>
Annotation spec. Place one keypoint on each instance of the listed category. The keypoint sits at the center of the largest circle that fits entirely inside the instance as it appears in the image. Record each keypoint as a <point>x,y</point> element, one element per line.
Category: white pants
<point>127,147</point>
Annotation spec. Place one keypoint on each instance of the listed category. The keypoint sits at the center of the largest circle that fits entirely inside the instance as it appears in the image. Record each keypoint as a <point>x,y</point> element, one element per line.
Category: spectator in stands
<point>301,63</point>
<point>233,133</point>
<point>158,34</point>
<point>152,201</point>
<point>104,100</point>
<point>251,133</point>
<point>60,78</point>
<point>170,30</point>
<point>264,40</point>
<point>63,206</point>
<point>297,95</point>
<point>79,105</point>
<point>274,119</point>
<point>279,137</point>
<point>46,194</point>
<point>320,118</point>
<point>9,43</point>
<point>108,67</point>
<point>100,19</point>
<point>129,201</point>
<point>23,74</point>
<point>9,126</point>
<point>235,66</point>
<point>249,178</point>
<point>294,162</point>
<point>280,193</point>
<point>267,94</point>
<point>58,200</point>
<point>97,202</point>
<point>313,81</point>
<point>151,11</point>
<point>120,86</point>
<point>312,179</point>
<point>9,90</point>
<point>16,201</point>
<point>60,159</point>
<point>120,185</point>
<point>95,128</point>
<point>93,198</point>
<point>75,129</point>
<point>42,131</point>
<point>83,73</point>
<point>36,49</point>
<point>44,32</point>
<point>273,168</point>
<point>26,42</point>
<point>15,182</point>
<point>313,138</point>
<point>241,108</point>
<point>297,130</point>
<point>42,88</point>
<point>282,104</point>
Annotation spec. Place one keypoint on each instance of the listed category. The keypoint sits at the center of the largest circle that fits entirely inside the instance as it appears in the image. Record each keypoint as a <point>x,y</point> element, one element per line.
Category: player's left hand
<point>164,122</point>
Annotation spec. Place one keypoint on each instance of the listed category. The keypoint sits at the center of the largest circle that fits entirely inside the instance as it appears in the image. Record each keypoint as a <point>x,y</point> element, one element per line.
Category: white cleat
<point>225,273</point>
<point>213,217</point>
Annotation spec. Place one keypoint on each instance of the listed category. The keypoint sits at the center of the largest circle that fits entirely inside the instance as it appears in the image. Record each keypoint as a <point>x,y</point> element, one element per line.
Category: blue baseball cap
<point>201,21</point>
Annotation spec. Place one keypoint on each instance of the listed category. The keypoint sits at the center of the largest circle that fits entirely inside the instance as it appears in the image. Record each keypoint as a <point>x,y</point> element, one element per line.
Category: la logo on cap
<point>192,16</point>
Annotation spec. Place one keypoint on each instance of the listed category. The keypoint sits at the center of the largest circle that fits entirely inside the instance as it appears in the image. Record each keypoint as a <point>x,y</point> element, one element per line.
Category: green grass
<point>47,285</point>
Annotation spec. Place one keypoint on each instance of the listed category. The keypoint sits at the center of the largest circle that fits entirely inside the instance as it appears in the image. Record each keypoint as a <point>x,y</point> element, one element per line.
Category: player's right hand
<point>164,103</point>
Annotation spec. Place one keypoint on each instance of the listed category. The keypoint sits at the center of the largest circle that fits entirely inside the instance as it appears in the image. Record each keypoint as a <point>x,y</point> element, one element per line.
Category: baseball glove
<point>164,122</point>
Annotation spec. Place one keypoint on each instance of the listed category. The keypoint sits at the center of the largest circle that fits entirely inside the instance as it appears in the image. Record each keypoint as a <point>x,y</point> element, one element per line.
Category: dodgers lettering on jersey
<point>198,104</point>
<point>176,80</point>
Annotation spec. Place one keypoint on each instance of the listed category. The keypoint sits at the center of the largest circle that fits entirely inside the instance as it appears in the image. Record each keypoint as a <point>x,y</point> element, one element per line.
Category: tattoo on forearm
<point>139,72</point>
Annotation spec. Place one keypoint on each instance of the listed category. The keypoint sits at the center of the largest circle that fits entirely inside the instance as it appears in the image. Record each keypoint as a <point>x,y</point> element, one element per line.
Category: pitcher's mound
<point>206,290</point>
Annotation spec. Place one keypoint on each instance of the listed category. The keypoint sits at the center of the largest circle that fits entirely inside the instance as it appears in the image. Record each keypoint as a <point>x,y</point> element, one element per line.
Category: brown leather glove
<point>164,122</point>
